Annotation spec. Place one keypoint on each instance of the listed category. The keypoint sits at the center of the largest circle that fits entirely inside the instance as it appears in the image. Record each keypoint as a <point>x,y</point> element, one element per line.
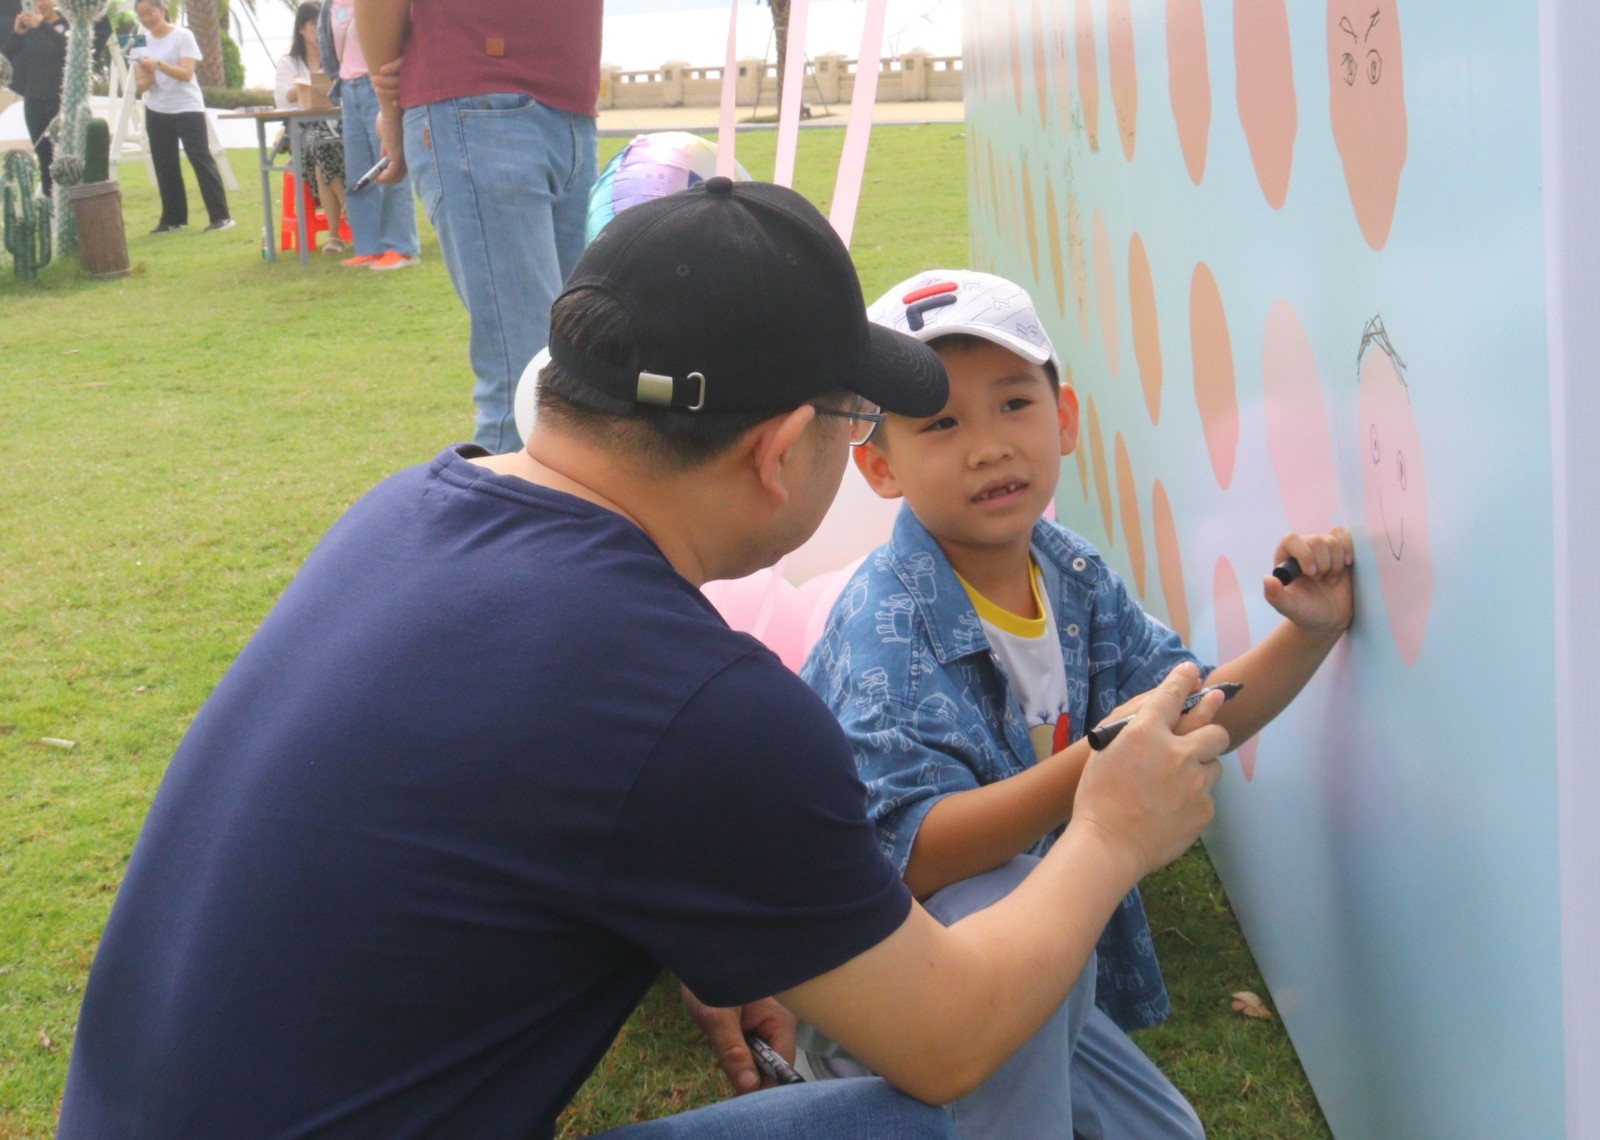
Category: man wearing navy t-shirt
<point>492,762</point>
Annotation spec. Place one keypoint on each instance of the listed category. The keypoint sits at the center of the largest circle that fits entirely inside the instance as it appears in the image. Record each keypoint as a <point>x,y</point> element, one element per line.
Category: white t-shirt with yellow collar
<point>1029,650</point>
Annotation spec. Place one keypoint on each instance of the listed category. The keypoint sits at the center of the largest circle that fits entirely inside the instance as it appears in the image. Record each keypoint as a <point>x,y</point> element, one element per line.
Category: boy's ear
<point>876,470</point>
<point>1067,410</point>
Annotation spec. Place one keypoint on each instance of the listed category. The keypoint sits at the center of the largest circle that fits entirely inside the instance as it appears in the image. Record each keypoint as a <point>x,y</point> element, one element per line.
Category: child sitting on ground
<point>969,655</point>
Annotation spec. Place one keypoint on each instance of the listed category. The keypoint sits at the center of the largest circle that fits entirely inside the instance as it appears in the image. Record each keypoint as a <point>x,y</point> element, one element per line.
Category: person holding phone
<point>37,49</point>
<point>174,113</point>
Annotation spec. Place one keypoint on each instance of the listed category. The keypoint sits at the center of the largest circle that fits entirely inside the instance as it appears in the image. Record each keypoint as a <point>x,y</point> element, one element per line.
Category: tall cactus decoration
<point>27,221</point>
<point>72,125</point>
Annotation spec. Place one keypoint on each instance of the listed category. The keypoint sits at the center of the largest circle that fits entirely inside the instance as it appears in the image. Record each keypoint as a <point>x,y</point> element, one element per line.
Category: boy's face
<point>981,472</point>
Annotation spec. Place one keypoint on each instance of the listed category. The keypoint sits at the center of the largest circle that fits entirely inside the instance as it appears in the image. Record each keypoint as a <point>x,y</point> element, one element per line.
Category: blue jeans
<point>864,1109</point>
<point>505,181</point>
<point>381,217</point>
<point>1078,1076</point>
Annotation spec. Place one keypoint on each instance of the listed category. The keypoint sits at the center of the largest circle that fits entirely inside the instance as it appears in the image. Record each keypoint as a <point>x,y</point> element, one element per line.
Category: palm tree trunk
<point>780,36</point>
<point>205,21</point>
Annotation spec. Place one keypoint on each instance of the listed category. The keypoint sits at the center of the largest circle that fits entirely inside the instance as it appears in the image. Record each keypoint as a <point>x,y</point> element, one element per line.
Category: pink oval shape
<point>1102,478</point>
<point>1396,491</point>
<point>1267,107</point>
<point>1189,82</point>
<point>1146,328</point>
<point>1124,72</point>
<point>1088,74</point>
<point>1169,561</point>
<point>1367,98</point>
<point>1105,289</point>
<point>1079,264</point>
<point>1132,528</point>
<point>1298,438</point>
<point>1214,391</point>
<point>1233,639</point>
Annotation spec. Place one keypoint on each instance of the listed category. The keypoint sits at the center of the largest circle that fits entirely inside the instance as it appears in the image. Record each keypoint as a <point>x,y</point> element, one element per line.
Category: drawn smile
<point>1388,531</point>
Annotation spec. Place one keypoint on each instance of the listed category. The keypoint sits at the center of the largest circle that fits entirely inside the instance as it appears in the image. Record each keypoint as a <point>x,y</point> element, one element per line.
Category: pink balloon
<point>1233,639</point>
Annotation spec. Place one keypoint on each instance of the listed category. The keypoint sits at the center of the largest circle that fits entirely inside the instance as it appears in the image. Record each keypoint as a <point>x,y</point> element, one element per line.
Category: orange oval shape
<point>1124,72</point>
<point>1080,451</point>
<point>1079,264</point>
<point>1189,82</point>
<point>1128,496</point>
<point>1030,224</point>
<point>1102,479</point>
<point>1169,562</point>
<point>1014,35</point>
<point>1367,94</point>
<point>1105,289</point>
<point>1214,391</point>
<point>1088,74</point>
<point>1041,68</point>
<point>1061,38</point>
<point>1265,87</point>
<point>1052,227</point>
<point>1146,328</point>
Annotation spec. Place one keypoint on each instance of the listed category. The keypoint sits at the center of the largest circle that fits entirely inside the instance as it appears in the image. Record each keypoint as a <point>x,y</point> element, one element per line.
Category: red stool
<point>316,220</point>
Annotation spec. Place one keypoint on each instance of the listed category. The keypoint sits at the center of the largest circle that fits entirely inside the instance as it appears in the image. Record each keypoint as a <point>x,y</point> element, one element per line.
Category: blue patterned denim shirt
<point>904,664</point>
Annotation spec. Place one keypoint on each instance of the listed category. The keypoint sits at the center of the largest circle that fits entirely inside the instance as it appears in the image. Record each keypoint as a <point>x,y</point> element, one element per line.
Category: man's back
<point>425,846</point>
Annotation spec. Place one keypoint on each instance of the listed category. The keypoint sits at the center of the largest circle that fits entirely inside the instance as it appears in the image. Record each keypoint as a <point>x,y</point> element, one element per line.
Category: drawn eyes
<point>1400,466</point>
<point>1347,64</point>
<point>1377,453</point>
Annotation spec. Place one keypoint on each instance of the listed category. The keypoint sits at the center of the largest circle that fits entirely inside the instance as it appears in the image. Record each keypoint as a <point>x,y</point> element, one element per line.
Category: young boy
<point>969,655</point>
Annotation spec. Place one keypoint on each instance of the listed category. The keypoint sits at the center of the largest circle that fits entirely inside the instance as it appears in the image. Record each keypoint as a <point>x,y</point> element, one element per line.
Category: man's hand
<point>1320,601</point>
<point>725,1028</point>
<point>1149,792</point>
<point>391,143</point>
<point>386,82</point>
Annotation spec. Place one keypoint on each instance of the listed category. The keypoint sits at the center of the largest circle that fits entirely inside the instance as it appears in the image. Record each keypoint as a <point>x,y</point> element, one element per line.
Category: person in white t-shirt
<point>175,112</point>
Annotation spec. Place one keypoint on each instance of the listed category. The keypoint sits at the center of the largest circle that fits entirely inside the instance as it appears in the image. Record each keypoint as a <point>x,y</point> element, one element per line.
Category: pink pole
<point>794,78</point>
<point>853,162</point>
<point>730,87</point>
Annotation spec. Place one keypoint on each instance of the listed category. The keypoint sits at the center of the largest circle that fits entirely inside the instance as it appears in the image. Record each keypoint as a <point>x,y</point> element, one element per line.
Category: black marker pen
<point>1103,734</point>
<point>1287,570</point>
<point>770,1062</point>
<point>366,179</point>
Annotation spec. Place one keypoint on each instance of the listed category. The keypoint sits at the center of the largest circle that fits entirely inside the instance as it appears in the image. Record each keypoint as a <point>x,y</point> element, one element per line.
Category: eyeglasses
<point>864,419</point>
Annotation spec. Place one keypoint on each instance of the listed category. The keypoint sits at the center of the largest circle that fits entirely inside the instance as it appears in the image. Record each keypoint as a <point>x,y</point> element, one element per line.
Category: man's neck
<point>565,465</point>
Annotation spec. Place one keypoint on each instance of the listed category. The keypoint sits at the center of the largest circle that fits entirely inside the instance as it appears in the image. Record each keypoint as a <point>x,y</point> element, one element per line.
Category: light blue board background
<point>1394,861</point>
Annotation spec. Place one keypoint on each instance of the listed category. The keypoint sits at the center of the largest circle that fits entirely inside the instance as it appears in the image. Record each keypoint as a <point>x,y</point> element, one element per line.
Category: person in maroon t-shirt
<point>495,117</point>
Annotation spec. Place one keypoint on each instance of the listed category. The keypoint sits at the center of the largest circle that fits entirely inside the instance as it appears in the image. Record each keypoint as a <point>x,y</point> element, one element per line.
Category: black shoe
<point>166,228</point>
<point>225,224</point>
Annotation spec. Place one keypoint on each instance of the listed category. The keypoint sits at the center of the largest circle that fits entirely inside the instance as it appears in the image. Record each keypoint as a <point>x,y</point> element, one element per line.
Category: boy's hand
<point>1321,600</point>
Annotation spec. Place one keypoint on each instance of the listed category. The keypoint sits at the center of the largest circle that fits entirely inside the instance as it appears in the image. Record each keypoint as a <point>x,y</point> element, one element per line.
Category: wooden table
<point>295,121</point>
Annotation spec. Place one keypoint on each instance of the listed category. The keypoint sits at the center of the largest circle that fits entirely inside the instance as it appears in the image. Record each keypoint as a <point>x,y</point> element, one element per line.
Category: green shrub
<point>229,99</point>
<point>232,63</point>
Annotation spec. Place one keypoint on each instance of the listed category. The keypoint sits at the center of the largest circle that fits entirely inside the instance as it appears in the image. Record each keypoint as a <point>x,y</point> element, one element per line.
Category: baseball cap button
<point>719,185</point>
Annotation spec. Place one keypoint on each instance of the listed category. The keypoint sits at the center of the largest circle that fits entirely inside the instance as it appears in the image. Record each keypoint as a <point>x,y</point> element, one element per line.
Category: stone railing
<point>914,77</point>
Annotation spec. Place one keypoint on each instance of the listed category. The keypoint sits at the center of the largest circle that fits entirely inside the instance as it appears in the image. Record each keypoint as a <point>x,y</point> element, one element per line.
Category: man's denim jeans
<point>505,181</point>
<point>864,1108</point>
<point>381,217</point>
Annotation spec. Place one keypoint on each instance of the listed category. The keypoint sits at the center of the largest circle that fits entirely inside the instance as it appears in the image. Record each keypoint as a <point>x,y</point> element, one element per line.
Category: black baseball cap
<point>743,299</point>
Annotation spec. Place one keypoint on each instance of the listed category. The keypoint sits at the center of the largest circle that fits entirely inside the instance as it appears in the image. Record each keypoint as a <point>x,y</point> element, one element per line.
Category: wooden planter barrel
<point>102,242</point>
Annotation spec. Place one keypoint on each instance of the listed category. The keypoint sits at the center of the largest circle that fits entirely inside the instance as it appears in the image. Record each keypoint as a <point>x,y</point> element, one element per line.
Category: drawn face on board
<point>1396,491</point>
<point>1366,80</point>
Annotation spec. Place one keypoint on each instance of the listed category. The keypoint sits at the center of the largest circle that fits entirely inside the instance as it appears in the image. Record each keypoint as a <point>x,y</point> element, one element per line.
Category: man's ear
<point>876,470</point>
<point>1067,410</point>
<point>772,451</point>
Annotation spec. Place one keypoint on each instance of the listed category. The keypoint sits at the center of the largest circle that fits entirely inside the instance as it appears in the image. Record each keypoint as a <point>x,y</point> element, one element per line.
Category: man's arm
<point>382,26</point>
<point>936,1010</point>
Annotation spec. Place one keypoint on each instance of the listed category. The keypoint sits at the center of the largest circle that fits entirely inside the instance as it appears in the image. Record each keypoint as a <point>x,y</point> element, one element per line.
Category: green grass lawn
<point>178,440</point>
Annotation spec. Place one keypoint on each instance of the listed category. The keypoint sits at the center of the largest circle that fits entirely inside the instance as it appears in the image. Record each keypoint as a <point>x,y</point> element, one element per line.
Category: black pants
<point>37,113</point>
<point>165,133</point>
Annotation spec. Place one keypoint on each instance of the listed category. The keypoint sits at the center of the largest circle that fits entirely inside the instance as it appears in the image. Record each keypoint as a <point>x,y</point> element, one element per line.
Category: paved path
<point>632,122</point>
